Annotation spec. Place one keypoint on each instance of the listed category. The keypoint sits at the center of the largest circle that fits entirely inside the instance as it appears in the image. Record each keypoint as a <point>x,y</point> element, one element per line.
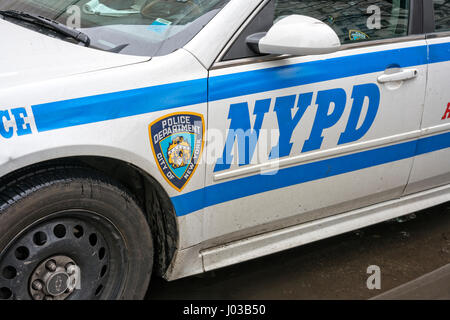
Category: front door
<point>293,139</point>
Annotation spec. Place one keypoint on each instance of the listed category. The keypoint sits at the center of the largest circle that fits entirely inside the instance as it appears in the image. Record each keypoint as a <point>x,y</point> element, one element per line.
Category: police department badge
<point>177,144</point>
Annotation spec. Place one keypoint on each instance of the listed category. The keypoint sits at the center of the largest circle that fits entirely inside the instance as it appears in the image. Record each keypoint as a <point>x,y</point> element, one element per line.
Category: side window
<point>353,20</point>
<point>442,14</point>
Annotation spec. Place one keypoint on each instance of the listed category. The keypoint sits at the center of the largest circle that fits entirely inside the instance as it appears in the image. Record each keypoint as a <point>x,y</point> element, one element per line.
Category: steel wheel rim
<point>86,239</point>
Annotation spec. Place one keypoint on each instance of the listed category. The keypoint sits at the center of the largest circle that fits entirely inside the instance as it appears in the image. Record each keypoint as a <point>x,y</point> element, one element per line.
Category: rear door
<point>432,165</point>
<point>293,139</point>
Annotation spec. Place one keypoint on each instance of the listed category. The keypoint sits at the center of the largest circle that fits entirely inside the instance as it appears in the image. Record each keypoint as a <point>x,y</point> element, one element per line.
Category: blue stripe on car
<point>240,188</point>
<point>69,113</point>
<point>251,82</point>
<point>92,109</point>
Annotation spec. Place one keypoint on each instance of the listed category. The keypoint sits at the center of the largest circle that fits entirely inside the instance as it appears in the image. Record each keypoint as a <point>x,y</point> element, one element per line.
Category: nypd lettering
<point>330,104</point>
<point>13,122</point>
<point>177,143</point>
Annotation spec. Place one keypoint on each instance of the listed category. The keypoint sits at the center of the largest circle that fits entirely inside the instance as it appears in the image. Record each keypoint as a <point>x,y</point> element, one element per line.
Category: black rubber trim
<point>429,24</point>
<point>416,17</point>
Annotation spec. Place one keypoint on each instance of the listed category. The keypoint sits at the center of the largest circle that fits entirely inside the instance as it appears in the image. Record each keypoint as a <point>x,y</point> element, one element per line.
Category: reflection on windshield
<point>138,27</point>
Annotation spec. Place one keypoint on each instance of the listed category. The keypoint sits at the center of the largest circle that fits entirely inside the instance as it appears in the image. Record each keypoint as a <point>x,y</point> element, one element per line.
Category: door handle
<point>399,76</point>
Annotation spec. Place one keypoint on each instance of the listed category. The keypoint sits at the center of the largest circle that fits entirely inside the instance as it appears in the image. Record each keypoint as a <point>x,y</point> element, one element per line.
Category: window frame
<point>416,31</point>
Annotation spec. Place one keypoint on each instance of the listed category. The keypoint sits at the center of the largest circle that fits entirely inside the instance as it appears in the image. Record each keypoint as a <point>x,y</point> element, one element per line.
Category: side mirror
<point>296,35</point>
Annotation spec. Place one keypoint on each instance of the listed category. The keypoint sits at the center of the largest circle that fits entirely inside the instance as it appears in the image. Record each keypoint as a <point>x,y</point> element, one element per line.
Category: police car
<point>174,137</point>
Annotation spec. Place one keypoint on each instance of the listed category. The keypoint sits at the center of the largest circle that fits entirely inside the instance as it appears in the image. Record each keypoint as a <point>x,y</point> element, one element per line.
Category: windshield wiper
<point>48,23</point>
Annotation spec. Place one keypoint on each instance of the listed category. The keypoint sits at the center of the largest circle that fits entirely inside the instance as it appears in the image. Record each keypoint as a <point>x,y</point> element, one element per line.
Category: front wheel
<point>71,233</point>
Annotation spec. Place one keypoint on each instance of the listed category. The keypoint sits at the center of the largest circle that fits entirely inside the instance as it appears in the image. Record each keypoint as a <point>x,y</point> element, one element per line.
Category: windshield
<point>137,27</point>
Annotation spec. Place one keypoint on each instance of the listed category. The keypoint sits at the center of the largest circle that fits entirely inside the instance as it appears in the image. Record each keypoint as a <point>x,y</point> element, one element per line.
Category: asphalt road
<point>336,268</point>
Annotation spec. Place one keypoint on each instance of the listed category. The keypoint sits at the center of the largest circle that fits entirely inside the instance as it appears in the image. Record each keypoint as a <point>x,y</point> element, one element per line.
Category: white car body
<point>85,102</point>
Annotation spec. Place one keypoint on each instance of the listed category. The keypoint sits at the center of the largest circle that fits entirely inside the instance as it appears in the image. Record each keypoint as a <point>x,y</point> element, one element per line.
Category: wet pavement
<point>432,286</point>
<point>336,268</point>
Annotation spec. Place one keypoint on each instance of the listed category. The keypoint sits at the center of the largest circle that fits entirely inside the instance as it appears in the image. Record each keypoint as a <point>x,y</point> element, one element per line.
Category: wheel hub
<point>54,278</point>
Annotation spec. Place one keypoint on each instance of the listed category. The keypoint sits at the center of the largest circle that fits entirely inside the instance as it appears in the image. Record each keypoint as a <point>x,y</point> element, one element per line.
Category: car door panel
<point>343,139</point>
<point>429,169</point>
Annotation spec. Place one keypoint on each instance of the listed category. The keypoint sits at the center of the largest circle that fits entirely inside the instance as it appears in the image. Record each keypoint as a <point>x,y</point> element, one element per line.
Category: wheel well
<point>149,194</point>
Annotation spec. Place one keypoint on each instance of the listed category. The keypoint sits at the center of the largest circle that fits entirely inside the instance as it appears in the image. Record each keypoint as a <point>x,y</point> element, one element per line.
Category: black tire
<point>88,205</point>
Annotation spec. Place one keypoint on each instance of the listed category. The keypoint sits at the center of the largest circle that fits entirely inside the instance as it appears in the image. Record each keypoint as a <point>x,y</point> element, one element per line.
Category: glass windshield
<point>137,27</point>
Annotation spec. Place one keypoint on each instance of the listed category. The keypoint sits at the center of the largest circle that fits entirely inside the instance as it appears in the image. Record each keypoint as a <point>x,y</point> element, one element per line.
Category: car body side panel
<point>256,197</point>
<point>431,170</point>
<point>105,113</point>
